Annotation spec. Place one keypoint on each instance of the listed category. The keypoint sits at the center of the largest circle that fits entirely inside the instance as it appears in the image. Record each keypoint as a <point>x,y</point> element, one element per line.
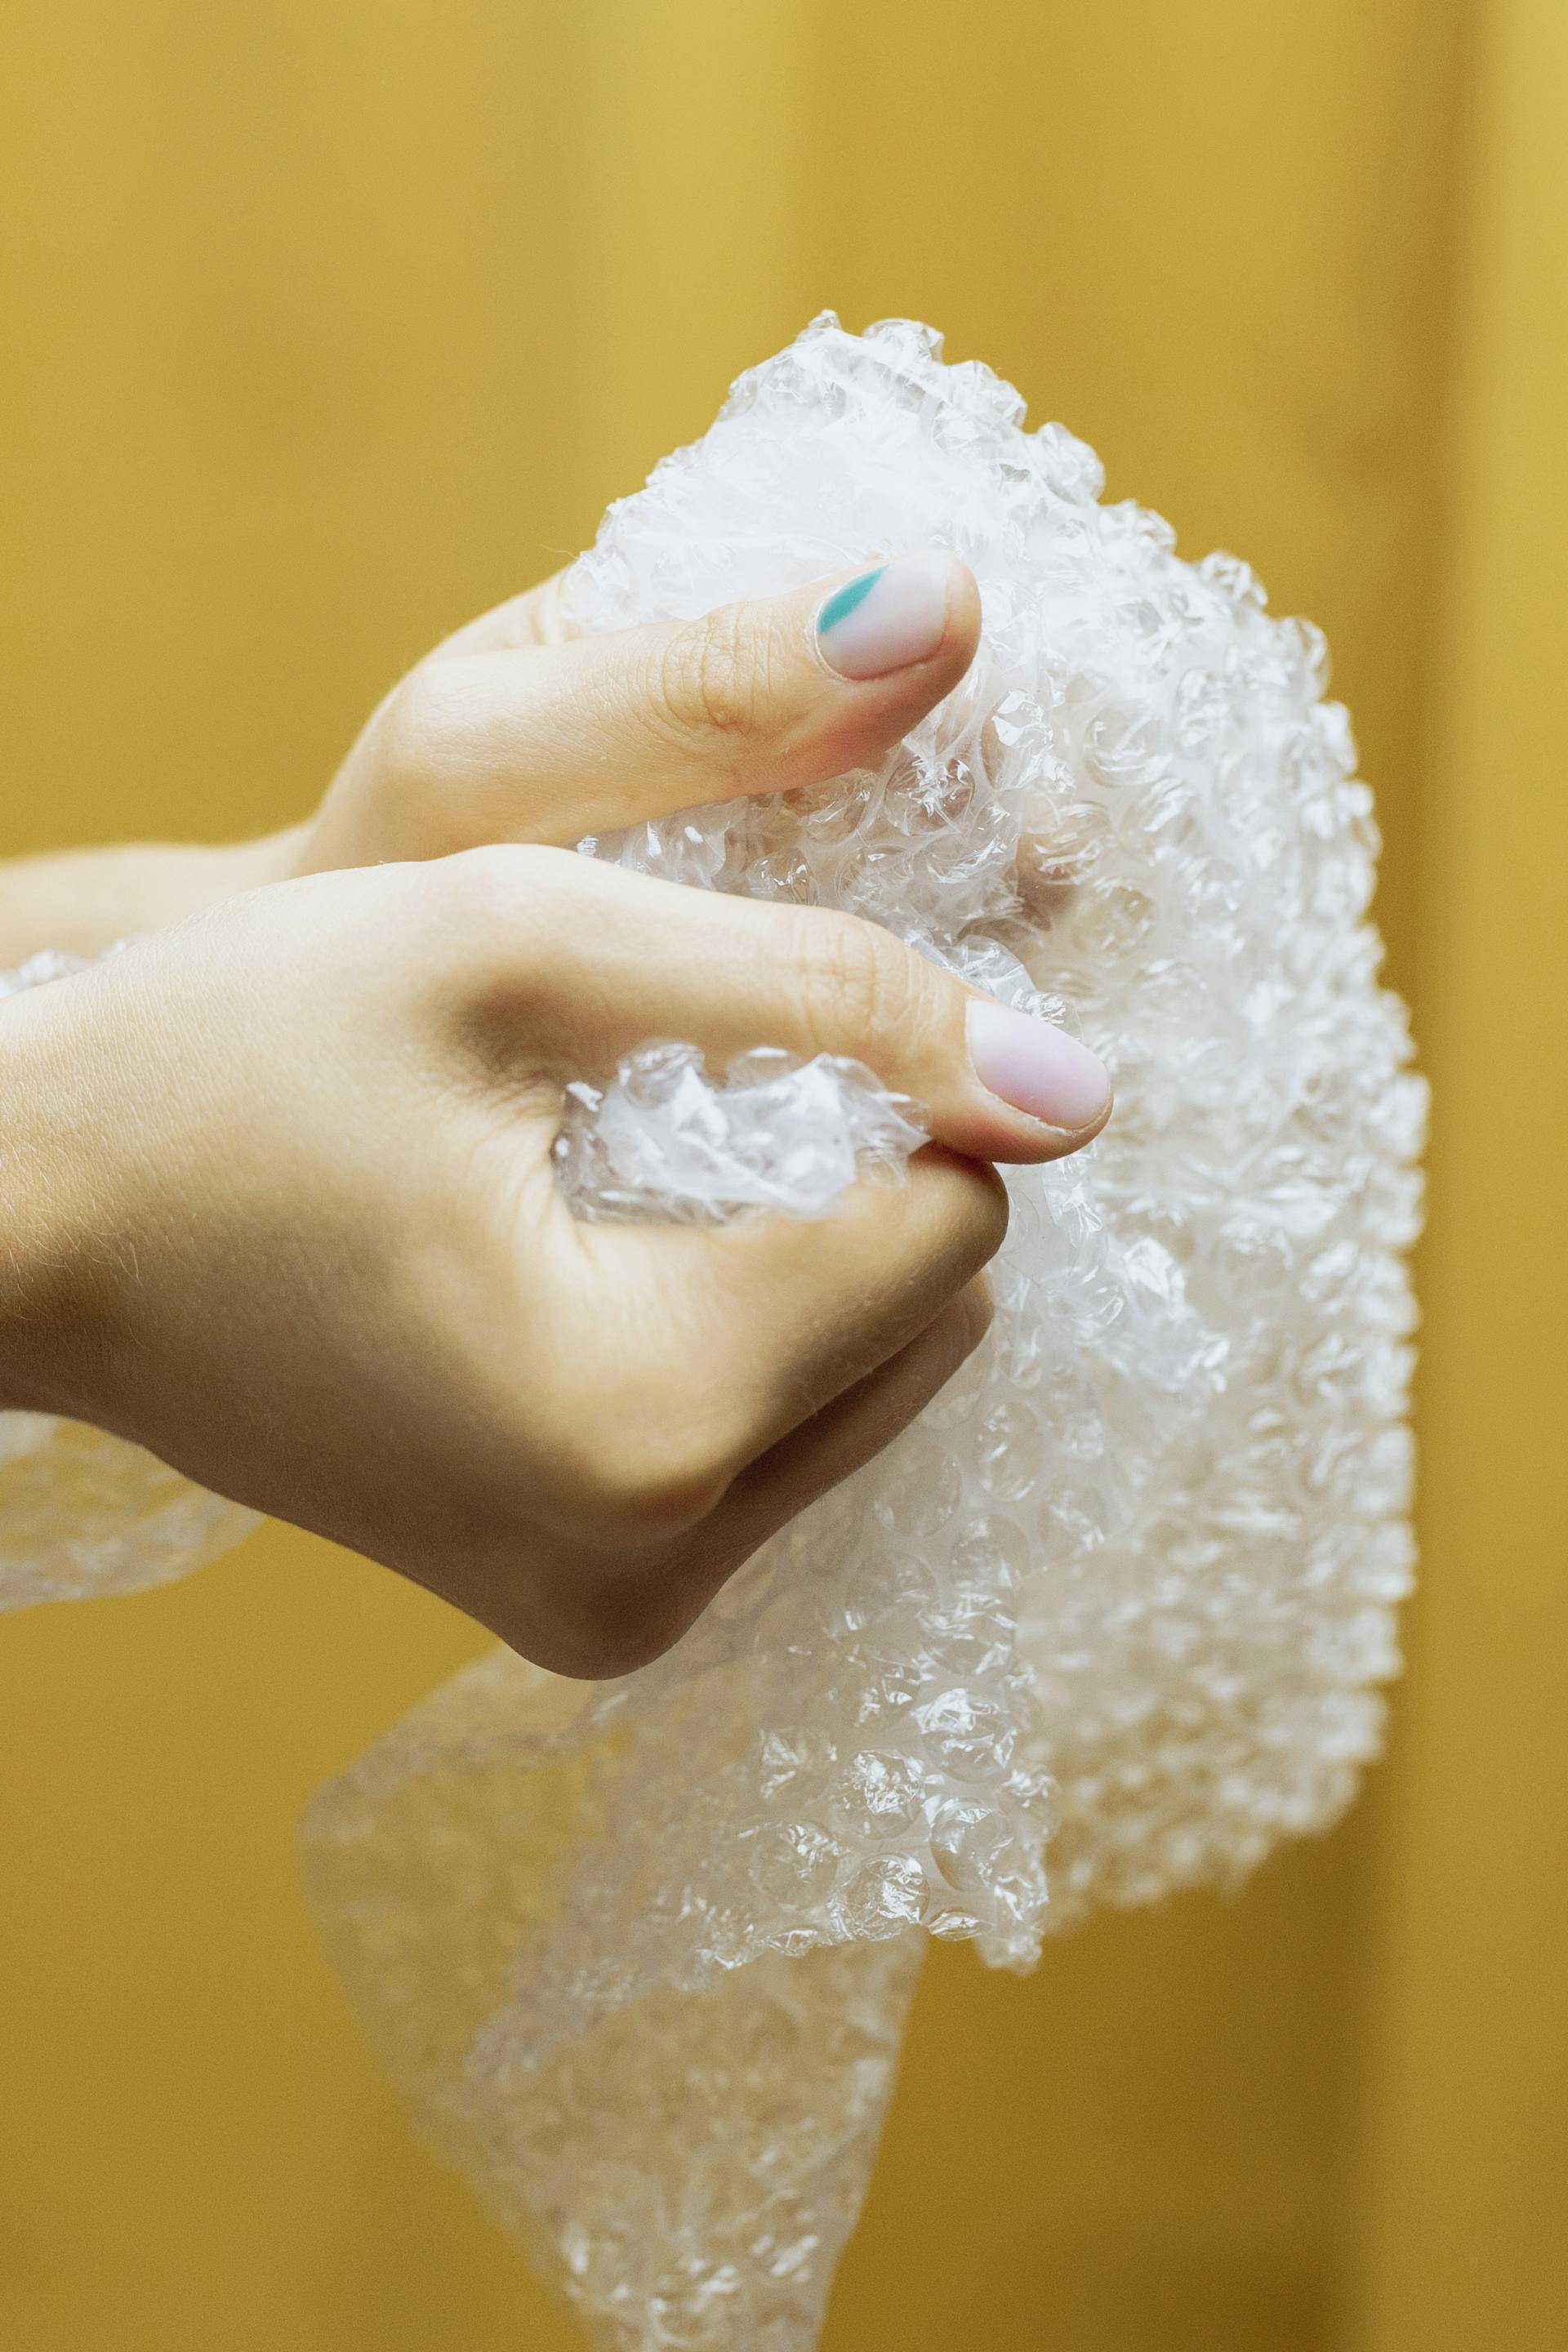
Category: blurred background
<point>327,322</point>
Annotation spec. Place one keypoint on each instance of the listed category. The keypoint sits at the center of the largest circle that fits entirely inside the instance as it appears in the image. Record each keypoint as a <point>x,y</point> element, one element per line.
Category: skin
<point>279,1197</point>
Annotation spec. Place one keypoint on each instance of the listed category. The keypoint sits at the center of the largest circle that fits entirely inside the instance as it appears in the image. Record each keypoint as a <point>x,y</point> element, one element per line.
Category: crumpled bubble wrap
<point>782,1138</point>
<point>1112,1617</point>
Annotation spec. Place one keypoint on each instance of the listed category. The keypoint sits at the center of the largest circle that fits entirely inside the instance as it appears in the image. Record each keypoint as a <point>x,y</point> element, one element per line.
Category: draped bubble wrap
<point>1110,1618</point>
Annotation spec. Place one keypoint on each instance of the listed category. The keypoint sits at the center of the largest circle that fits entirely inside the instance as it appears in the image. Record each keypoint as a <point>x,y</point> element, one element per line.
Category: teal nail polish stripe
<point>839,606</point>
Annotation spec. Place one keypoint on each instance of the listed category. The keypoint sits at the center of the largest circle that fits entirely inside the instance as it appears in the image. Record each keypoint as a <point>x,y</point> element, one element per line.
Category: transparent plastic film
<point>1112,1617</point>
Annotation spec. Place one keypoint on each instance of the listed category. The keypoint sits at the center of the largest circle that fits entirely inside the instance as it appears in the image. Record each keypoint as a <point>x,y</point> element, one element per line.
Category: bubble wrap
<point>1110,1618</point>
<point>779,1137</point>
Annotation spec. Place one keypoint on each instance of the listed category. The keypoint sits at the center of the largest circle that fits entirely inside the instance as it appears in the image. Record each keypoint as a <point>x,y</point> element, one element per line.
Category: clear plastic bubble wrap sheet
<point>1110,1618</point>
<point>777,1136</point>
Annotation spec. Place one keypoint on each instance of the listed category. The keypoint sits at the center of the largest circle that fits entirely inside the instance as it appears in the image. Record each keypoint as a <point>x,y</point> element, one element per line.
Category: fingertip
<point>960,638</point>
<point>988,1129</point>
<point>912,613</point>
<point>1032,1067</point>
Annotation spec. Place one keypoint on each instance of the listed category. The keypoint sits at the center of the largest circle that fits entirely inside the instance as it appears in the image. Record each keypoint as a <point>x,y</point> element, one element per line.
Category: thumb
<point>609,960</point>
<point>549,742</point>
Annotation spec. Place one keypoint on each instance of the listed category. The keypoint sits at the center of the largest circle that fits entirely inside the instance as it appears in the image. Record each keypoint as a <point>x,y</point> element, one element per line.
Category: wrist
<point>83,901</point>
<point>46,1248</point>
<point>251,865</point>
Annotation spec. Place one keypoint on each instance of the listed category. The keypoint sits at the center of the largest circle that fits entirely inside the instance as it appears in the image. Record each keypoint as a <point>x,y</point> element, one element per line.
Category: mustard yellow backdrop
<point>327,322</point>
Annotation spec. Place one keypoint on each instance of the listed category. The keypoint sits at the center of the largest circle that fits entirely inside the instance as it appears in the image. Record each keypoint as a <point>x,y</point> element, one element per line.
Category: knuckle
<point>505,909</point>
<point>859,986</point>
<point>413,743</point>
<point>596,1627</point>
<point>436,725</point>
<point>506,886</point>
<point>643,1475</point>
<point>416,721</point>
<point>707,677</point>
<point>626,1630</point>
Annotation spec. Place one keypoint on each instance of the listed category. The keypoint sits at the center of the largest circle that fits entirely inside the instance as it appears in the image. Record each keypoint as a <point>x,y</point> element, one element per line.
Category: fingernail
<point>886,619</point>
<point>1038,1069</point>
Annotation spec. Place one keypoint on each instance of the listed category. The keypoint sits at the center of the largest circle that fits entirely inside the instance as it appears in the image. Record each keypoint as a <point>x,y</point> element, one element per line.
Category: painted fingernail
<point>1038,1069</point>
<point>888,618</point>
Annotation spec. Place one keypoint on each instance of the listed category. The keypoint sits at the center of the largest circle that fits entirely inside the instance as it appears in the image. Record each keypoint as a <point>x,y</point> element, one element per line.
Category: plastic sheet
<point>1111,1618</point>
<point>780,1136</point>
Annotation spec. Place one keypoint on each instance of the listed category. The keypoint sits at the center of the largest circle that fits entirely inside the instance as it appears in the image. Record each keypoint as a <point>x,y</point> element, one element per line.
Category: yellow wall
<point>328,321</point>
<point>1463,2174</point>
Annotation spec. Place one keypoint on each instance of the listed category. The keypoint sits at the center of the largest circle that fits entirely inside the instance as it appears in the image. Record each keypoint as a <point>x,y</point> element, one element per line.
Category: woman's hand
<point>280,1204</point>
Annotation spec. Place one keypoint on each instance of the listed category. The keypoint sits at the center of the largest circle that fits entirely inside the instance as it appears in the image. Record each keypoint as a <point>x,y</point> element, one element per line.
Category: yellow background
<point>328,321</point>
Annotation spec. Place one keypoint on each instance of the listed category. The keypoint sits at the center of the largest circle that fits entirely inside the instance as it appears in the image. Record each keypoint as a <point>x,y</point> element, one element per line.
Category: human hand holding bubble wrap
<point>374,1313</point>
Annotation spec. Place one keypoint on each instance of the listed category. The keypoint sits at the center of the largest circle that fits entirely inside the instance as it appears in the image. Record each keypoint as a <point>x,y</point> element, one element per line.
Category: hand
<point>279,1206</point>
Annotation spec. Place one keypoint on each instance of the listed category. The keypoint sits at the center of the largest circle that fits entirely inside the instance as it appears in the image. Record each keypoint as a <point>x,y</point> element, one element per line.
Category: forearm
<point>83,901</point>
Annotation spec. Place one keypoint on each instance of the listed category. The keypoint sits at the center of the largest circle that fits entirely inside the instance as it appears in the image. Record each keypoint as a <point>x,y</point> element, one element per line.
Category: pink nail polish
<point>1037,1068</point>
<point>886,619</point>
